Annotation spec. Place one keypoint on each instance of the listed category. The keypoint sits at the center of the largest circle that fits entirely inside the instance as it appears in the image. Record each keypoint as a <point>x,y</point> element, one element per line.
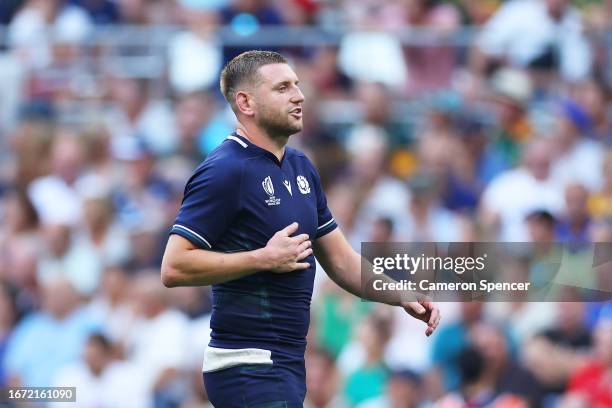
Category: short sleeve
<point>326,222</point>
<point>210,203</point>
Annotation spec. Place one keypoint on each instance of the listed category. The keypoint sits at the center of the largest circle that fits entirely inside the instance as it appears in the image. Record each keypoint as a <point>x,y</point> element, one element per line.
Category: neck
<point>260,138</point>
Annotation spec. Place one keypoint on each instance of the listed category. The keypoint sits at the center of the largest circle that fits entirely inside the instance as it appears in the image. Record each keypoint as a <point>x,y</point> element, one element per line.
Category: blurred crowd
<point>464,120</point>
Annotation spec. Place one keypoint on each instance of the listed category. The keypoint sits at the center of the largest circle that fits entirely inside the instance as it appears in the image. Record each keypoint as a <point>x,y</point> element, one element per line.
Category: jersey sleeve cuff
<point>193,236</point>
<point>326,228</point>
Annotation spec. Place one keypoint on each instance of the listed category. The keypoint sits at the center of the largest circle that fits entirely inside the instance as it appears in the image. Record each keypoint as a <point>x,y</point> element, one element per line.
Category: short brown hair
<point>243,68</point>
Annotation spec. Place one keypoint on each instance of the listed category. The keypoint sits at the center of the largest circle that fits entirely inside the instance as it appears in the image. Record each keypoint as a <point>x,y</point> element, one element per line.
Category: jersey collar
<point>247,144</point>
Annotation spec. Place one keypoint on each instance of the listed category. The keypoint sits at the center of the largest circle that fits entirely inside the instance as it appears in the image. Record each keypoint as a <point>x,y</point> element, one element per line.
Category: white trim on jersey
<point>326,224</point>
<point>235,139</point>
<point>216,358</point>
<point>192,232</point>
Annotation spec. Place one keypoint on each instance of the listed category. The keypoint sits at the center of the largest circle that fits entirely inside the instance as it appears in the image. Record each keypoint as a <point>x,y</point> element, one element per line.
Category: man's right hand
<point>283,252</point>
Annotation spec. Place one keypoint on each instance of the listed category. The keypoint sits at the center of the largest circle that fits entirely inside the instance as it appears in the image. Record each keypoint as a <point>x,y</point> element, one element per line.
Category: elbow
<point>170,276</point>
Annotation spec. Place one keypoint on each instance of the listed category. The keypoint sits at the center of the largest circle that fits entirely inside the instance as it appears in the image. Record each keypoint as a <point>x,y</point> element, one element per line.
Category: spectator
<point>39,20</point>
<point>140,197</point>
<point>104,239</point>
<point>137,115</point>
<point>63,324</point>
<point>324,73</point>
<point>591,98</point>
<point>337,315</point>
<point>511,93</point>
<point>574,227</point>
<point>450,342</point>
<point>322,381</point>
<point>200,129</point>
<point>157,342</point>
<point>537,34</point>
<point>112,305</point>
<point>511,196</point>
<point>100,379</point>
<point>368,146</point>
<point>426,220</point>
<point>591,383</point>
<point>369,379</point>
<point>200,45</point>
<point>55,196</point>
<point>371,56</point>
<point>403,391</point>
<point>501,370</point>
<point>554,353</point>
<point>476,387</point>
<point>600,202</point>
<point>430,68</point>
<point>65,258</point>
<point>573,148</point>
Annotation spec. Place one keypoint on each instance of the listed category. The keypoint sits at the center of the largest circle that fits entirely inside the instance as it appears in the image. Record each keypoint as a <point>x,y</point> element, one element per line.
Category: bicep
<point>175,247</point>
<point>178,243</point>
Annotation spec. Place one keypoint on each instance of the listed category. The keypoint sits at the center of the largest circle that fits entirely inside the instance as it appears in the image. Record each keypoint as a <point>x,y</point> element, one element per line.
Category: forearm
<point>198,267</point>
<point>355,275</point>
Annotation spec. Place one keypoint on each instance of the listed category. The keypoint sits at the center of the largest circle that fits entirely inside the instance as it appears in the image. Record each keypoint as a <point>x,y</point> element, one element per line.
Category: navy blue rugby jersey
<point>236,200</point>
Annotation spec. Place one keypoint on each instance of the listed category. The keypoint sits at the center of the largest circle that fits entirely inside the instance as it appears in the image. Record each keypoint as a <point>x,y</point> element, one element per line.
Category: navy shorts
<point>257,386</point>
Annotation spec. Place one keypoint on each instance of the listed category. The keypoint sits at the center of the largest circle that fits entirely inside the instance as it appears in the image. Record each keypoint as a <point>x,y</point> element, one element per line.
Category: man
<point>249,217</point>
<point>537,34</point>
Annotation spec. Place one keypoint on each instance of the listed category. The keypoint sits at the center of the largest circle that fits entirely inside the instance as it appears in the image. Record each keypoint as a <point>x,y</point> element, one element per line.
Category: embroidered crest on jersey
<point>303,185</point>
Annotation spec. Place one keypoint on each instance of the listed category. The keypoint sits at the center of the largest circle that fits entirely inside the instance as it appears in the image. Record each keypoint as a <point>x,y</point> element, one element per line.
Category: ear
<point>245,103</point>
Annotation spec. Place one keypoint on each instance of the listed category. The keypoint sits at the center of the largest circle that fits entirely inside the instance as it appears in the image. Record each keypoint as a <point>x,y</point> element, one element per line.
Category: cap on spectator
<point>512,85</point>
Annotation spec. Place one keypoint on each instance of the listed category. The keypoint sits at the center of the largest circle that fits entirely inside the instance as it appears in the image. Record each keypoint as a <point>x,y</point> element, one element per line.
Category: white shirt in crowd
<point>513,195</point>
<point>571,167</point>
<point>522,30</point>
<point>116,387</point>
<point>159,343</point>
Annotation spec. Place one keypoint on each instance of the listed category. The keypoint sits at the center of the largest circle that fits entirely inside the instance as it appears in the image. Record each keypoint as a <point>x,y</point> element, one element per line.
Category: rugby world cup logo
<point>269,189</point>
<point>267,186</point>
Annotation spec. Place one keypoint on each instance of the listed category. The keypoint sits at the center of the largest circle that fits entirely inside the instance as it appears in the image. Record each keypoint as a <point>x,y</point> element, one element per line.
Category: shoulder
<point>226,162</point>
<point>300,158</point>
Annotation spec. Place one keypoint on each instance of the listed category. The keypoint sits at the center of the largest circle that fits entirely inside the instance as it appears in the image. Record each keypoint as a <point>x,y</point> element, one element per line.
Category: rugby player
<point>253,218</point>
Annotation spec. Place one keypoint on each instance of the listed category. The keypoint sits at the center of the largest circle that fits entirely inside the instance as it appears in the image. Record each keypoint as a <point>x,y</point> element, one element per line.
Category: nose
<point>298,96</point>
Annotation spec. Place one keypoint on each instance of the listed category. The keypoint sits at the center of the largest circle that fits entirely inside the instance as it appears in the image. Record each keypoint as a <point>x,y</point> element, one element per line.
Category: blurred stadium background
<point>464,120</point>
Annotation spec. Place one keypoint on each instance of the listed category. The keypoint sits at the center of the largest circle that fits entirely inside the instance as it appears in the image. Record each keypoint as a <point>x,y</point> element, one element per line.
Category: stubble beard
<point>278,127</point>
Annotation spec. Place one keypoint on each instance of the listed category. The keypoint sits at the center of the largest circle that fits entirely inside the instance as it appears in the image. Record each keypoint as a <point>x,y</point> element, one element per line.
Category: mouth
<point>296,113</point>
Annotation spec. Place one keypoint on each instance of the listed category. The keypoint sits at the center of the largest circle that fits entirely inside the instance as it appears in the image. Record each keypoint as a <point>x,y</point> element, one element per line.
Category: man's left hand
<point>426,311</point>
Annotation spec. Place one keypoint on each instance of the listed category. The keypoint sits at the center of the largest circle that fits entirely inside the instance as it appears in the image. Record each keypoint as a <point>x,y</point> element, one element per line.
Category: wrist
<point>261,259</point>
